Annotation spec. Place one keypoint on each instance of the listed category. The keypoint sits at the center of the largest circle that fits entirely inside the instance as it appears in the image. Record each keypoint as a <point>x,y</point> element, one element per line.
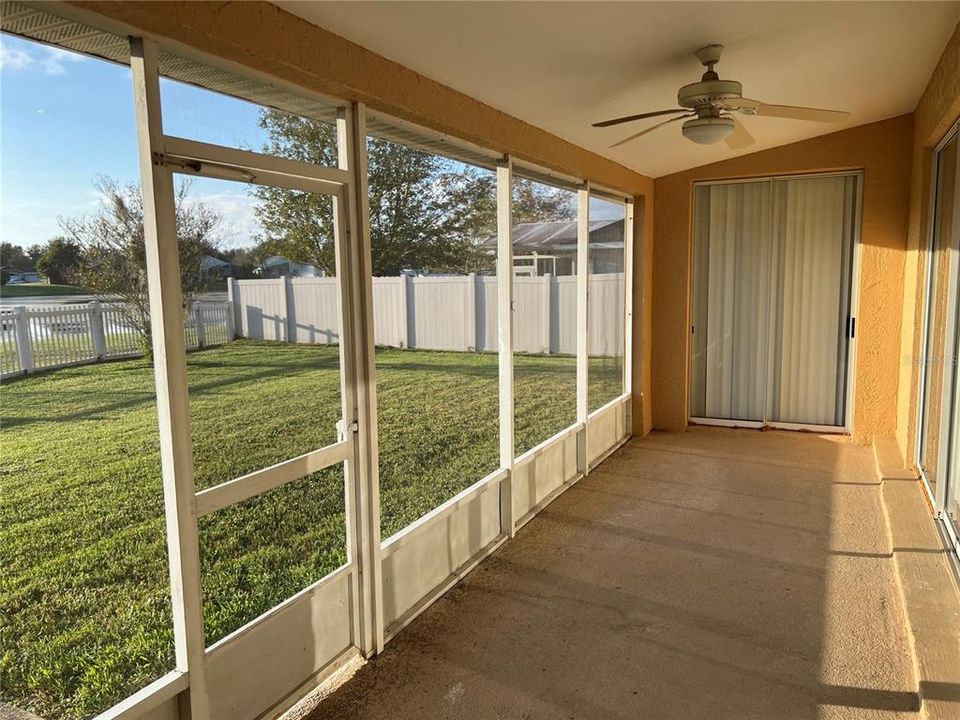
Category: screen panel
<point>264,389</point>
<point>85,610</point>
<point>605,303</point>
<point>545,311</point>
<point>433,238</point>
<point>257,553</point>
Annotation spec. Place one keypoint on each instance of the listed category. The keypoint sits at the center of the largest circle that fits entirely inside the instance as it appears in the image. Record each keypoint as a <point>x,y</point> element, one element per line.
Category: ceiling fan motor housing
<point>709,92</point>
<point>708,129</point>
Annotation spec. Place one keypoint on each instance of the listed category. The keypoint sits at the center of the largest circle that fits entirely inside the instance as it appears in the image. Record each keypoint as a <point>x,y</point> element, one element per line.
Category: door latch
<point>344,429</point>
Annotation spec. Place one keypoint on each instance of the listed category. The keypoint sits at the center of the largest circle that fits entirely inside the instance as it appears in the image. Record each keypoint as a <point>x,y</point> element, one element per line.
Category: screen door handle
<point>851,327</point>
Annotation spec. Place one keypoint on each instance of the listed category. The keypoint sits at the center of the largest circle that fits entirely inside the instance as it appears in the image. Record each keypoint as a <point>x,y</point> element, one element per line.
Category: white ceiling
<point>561,66</point>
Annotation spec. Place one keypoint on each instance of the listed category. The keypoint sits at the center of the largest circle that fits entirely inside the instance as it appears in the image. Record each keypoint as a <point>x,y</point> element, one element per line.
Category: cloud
<point>55,58</point>
<point>49,60</point>
<point>14,58</point>
<point>236,208</point>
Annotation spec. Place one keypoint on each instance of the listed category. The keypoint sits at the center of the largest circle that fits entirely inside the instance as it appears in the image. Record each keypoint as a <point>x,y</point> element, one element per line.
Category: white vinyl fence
<point>456,312</point>
<point>36,338</point>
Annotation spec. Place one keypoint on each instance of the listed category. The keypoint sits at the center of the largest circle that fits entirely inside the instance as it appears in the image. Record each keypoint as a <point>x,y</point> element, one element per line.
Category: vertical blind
<point>771,299</point>
<point>732,275</point>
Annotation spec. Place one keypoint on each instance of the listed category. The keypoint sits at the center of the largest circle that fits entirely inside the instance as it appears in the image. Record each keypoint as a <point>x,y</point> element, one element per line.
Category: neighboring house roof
<point>208,262</point>
<point>279,261</point>
<point>547,235</point>
<point>275,260</point>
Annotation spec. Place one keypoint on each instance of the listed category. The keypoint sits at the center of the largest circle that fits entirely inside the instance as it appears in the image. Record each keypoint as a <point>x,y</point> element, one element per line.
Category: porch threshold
<point>927,584</point>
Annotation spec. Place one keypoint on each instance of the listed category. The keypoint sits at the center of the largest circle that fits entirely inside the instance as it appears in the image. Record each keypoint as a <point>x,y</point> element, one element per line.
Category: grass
<point>39,290</point>
<point>85,616</point>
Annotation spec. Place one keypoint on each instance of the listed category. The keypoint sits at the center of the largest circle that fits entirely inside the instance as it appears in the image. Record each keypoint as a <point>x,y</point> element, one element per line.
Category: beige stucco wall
<point>936,112</point>
<point>262,37</point>
<point>883,151</point>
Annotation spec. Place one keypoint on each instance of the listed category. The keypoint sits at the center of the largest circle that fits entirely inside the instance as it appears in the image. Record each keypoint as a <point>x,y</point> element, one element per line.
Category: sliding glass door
<point>732,288</point>
<point>772,323</point>
<point>811,323</point>
<point>938,446</point>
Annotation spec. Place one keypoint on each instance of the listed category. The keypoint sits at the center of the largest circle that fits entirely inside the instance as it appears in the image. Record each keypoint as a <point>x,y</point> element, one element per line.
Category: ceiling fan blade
<point>793,112</point>
<point>739,138</point>
<point>650,129</point>
<point>641,116</point>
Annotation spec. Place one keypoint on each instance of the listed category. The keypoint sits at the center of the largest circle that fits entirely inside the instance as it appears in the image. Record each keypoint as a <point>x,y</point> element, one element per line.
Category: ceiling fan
<point>707,108</point>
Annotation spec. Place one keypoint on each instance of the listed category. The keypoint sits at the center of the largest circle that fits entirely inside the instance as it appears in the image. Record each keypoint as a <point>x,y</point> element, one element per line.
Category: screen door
<point>277,566</point>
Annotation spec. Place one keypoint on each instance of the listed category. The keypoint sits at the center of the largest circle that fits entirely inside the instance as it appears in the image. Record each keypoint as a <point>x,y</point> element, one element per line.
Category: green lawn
<point>39,289</point>
<point>85,616</point>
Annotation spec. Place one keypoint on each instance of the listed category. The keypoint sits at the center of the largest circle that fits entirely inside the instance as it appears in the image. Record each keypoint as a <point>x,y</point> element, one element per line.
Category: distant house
<point>210,265</point>
<point>27,276</point>
<point>551,247</point>
<point>277,266</point>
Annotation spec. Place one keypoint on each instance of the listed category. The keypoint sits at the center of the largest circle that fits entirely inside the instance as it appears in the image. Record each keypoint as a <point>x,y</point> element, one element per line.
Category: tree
<point>33,253</point>
<point>60,259</point>
<point>14,259</point>
<point>536,202</point>
<point>297,225</point>
<point>114,264</point>
<point>245,260</point>
<point>427,213</point>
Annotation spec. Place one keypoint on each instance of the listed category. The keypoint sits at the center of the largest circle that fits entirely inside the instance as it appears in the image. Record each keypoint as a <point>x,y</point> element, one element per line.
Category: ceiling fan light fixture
<point>708,130</point>
<point>706,106</point>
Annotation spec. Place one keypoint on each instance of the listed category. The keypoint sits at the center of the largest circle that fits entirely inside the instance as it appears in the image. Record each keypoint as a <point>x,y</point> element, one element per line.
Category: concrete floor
<point>709,574</point>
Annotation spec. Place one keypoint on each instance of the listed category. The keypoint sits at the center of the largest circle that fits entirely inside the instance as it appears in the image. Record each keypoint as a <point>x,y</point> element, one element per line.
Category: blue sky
<point>65,118</point>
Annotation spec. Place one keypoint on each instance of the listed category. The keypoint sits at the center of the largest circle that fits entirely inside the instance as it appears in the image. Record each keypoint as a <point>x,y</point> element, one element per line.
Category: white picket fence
<point>34,338</point>
<point>456,313</point>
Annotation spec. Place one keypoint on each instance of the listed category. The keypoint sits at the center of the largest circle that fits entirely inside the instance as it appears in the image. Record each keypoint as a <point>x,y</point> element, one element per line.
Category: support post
<point>470,313</point>
<point>290,327</point>
<point>583,331</point>
<point>97,334</point>
<point>547,312</point>
<point>505,311</point>
<point>363,477</point>
<point>170,371</point>
<point>21,324</point>
<point>232,308</point>
<point>627,335</point>
<point>409,312</point>
<point>198,323</point>
<point>231,331</point>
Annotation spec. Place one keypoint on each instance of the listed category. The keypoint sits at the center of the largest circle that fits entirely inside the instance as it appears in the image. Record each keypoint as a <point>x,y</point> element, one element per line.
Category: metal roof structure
<point>562,233</point>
